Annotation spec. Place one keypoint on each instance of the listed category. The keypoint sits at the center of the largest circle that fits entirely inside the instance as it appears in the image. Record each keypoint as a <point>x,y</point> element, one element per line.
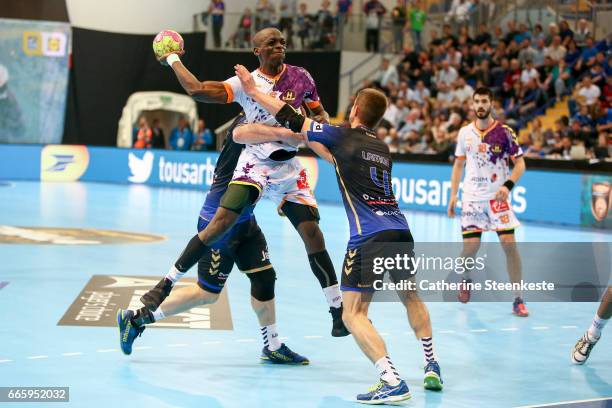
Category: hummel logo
<point>348,270</point>
<point>349,262</point>
<point>216,256</point>
<point>352,253</point>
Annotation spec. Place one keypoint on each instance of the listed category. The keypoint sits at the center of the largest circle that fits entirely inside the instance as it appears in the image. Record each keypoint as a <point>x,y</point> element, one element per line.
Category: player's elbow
<point>239,134</point>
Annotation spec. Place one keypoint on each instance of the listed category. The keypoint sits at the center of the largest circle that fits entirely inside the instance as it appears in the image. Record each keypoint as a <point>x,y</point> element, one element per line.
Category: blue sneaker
<point>383,393</point>
<point>127,330</point>
<point>433,378</point>
<point>283,355</point>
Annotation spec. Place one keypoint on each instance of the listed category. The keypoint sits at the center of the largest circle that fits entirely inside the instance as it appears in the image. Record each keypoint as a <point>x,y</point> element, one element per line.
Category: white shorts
<point>280,181</point>
<point>490,215</point>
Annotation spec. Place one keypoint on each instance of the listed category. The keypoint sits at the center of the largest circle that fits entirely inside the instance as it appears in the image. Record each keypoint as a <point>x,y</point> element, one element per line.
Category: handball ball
<point>166,42</point>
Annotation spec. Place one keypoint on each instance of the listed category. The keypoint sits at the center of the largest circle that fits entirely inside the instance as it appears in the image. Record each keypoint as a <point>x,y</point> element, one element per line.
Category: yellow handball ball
<point>167,41</point>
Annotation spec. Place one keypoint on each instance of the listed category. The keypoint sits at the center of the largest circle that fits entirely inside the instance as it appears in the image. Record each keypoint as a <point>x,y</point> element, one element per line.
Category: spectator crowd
<point>182,137</point>
<point>528,68</point>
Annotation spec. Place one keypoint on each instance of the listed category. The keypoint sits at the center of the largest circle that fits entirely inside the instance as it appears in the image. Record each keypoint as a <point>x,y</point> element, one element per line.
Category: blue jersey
<point>224,170</point>
<point>363,169</point>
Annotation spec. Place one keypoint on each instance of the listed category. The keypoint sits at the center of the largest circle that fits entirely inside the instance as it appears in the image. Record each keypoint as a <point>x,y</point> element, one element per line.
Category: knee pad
<point>239,196</point>
<point>298,213</point>
<point>262,284</point>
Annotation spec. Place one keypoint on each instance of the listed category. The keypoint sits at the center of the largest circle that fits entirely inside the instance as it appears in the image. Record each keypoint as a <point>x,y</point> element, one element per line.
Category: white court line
<point>142,348</point>
<point>106,350</point>
<point>37,357</point>
<point>5,361</point>
<point>384,334</point>
<point>509,329</point>
<point>566,402</point>
<point>313,337</point>
<point>569,327</point>
<point>178,345</point>
<point>479,330</point>
<point>245,340</point>
<point>76,353</point>
<point>539,328</point>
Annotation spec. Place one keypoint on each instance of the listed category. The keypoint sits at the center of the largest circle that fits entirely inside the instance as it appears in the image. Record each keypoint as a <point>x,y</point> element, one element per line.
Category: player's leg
<point>390,387</point>
<point>513,264</point>
<point>474,220</point>
<point>585,344</point>
<point>213,269</point>
<point>418,315</point>
<point>305,219</point>
<point>251,254</point>
<point>357,292</point>
<point>235,199</point>
<point>503,220</point>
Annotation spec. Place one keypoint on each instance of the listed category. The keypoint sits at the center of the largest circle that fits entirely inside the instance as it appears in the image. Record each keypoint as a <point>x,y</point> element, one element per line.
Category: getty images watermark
<point>458,265</point>
<point>546,272</point>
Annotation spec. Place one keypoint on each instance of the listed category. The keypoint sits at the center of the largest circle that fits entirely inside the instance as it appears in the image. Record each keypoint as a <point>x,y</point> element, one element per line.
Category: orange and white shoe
<point>464,291</point>
<point>519,308</point>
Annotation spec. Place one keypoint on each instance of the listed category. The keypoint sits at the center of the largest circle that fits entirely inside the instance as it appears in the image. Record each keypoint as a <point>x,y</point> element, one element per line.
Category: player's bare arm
<point>455,180</point>
<point>517,172</point>
<point>254,133</point>
<point>206,91</point>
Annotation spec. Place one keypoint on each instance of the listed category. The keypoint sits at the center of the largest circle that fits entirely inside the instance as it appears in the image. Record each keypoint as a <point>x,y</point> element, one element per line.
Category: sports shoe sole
<point>432,383</point>
<point>267,360</point>
<point>389,400</point>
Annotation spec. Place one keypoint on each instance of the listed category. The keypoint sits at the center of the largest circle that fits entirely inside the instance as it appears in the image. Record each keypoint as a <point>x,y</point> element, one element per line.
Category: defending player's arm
<point>254,133</point>
<point>207,91</point>
<point>516,153</point>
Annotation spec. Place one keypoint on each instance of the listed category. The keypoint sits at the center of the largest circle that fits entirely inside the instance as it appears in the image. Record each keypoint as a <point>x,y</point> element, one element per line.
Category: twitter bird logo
<point>140,168</point>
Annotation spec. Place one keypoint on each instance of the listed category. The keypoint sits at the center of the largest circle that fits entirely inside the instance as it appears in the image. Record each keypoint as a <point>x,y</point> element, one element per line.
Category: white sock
<point>597,326</point>
<point>270,337</point>
<point>333,296</point>
<point>174,274</point>
<point>428,349</point>
<point>387,372</point>
<point>158,314</point>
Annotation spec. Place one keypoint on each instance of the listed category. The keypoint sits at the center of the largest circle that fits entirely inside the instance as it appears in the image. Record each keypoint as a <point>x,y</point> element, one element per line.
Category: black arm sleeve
<point>290,118</point>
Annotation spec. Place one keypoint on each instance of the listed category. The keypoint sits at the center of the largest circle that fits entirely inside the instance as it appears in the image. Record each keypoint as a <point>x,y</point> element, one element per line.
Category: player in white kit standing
<point>486,147</point>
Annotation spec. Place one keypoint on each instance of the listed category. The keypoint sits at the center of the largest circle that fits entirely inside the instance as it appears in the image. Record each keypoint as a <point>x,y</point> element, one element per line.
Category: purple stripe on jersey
<point>501,144</point>
<point>296,85</point>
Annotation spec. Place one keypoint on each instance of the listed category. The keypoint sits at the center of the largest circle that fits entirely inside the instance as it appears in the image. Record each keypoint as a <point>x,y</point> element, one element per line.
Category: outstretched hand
<point>163,58</point>
<point>248,84</point>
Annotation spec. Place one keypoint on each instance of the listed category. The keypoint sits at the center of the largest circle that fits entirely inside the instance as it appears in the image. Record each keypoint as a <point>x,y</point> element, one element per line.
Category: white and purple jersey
<point>293,85</point>
<point>487,154</point>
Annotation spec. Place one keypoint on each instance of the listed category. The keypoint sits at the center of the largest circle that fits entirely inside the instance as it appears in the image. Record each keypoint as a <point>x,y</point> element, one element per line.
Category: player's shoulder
<point>297,71</point>
<point>466,129</point>
<point>507,129</point>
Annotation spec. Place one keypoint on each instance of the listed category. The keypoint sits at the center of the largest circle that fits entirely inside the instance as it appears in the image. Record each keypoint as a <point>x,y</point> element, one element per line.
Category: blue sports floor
<point>489,358</point>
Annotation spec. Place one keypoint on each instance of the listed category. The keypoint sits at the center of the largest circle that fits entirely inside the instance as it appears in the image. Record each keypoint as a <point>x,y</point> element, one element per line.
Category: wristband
<point>288,117</point>
<point>509,184</point>
<point>172,58</point>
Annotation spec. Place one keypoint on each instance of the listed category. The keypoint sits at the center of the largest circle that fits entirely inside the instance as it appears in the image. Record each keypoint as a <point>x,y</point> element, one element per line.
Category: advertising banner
<point>33,80</point>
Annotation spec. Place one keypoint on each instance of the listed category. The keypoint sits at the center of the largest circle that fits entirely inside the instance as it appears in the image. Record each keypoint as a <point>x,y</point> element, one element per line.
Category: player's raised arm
<point>207,91</point>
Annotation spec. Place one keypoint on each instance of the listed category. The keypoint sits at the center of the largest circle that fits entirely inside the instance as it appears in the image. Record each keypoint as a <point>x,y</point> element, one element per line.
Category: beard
<point>483,114</point>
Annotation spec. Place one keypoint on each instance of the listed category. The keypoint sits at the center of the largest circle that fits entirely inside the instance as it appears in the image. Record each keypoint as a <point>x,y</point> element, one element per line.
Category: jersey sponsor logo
<point>317,127</point>
<point>482,147</point>
<point>382,213</point>
<point>499,206</point>
<point>63,163</point>
<point>496,148</point>
<point>140,167</point>
<point>97,304</point>
<point>479,179</point>
<point>302,180</point>
<point>288,96</point>
<point>70,236</point>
